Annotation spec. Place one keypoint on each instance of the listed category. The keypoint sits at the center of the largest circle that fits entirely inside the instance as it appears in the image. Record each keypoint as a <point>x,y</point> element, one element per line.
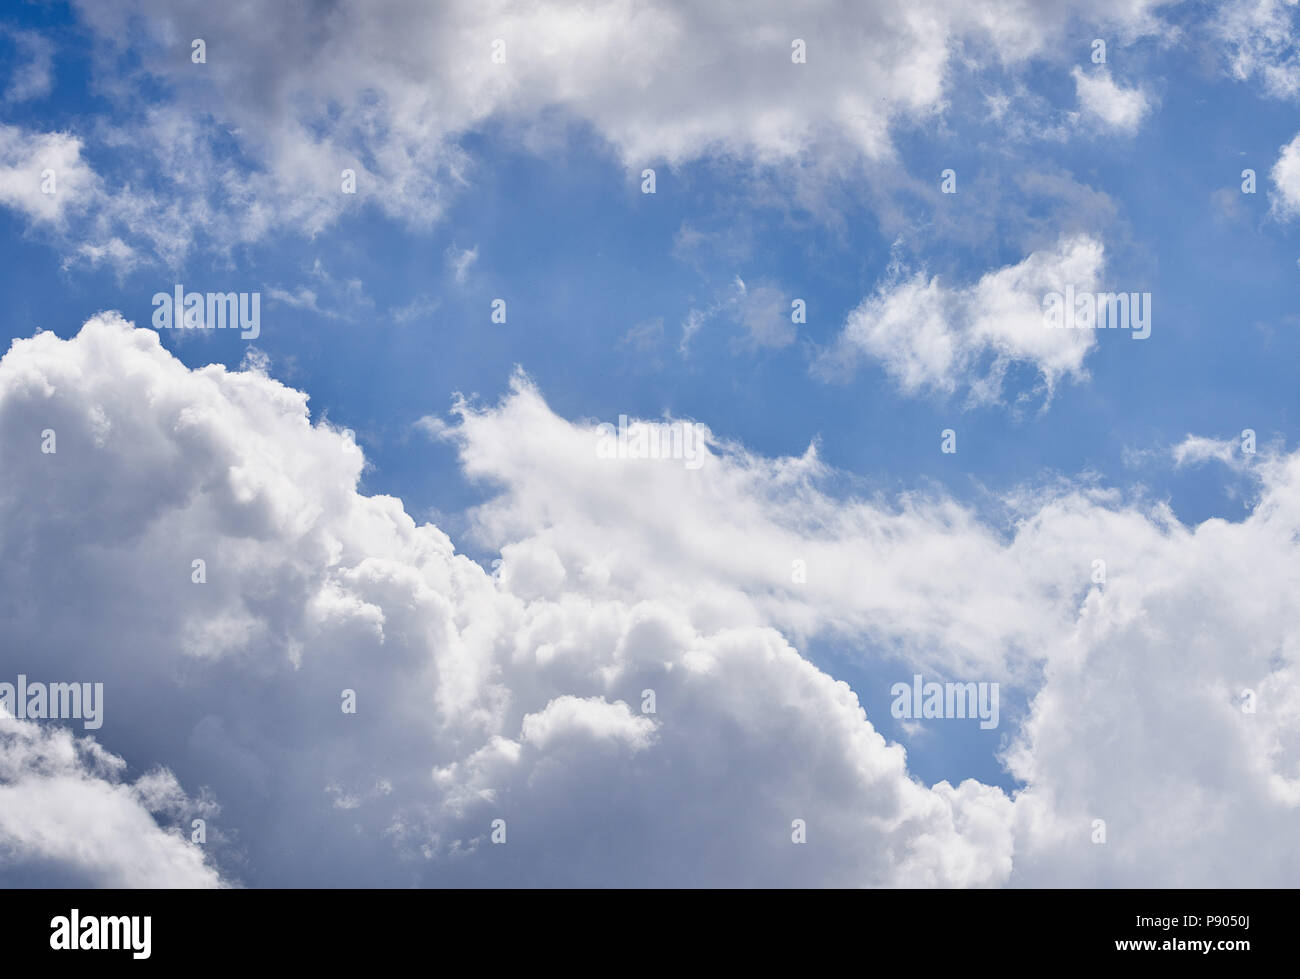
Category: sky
<point>858,213</point>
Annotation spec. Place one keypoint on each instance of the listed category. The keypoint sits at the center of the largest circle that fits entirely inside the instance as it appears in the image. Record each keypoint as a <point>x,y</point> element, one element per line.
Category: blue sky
<point>583,258</point>
<point>540,184</point>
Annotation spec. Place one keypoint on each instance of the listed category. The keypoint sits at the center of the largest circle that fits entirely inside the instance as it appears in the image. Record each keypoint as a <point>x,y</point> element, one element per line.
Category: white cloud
<point>331,297</point>
<point>45,177</point>
<point>690,326</point>
<point>1259,39</point>
<point>1105,103</point>
<point>460,260</point>
<point>303,298</point>
<point>1195,450</point>
<point>1136,682</point>
<point>479,696</point>
<point>114,251</point>
<point>590,719</point>
<point>935,337</point>
<point>517,694</point>
<point>34,75</point>
<point>1285,202</point>
<point>306,96</point>
<point>67,816</point>
<point>26,160</point>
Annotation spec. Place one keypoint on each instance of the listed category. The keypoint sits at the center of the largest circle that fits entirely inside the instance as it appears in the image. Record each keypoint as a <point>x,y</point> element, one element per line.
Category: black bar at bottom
<point>659,929</point>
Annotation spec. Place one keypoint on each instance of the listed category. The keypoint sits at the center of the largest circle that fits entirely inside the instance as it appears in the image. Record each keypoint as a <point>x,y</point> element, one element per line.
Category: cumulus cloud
<point>513,695</point>
<point>930,336</point>
<point>68,817</point>
<point>1137,669</point>
<point>518,694</point>
<point>502,690</point>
